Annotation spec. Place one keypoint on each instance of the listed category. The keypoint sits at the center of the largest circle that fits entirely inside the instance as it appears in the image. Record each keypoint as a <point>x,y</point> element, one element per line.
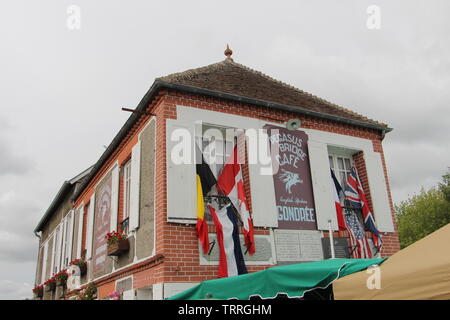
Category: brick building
<point>135,187</point>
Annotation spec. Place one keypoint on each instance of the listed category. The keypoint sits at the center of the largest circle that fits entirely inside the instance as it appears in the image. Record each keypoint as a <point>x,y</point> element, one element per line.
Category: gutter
<point>160,84</point>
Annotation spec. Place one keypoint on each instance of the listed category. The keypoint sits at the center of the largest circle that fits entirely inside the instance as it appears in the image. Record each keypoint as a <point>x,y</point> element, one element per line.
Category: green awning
<point>293,280</point>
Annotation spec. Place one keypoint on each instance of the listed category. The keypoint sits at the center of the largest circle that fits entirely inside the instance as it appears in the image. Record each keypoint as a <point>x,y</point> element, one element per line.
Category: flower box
<point>50,286</point>
<point>38,291</point>
<point>81,264</point>
<point>118,247</point>
<point>61,278</point>
<point>117,243</point>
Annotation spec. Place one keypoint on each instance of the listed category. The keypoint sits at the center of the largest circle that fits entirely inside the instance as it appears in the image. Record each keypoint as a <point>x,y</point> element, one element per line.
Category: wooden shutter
<point>71,217</point>
<point>321,182</point>
<point>378,192</point>
<point>262,189</point>
<point>181,177</point>
<point>44,263</point>
<point>114,197</point>
<point>90,227</point>
<point>135,180</point>
<point>80,231</point>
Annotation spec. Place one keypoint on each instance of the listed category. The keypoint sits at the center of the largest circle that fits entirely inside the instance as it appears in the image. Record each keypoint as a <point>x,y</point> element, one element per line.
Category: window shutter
<point>322,188</point>
<point>262,189</point>
<point>114,197</point>
<point>80,231</point>
<point>70,238</point>
<point>44,263</point>
<point>378,192</point>
<point>181,178</point>
<point>90,227</point>
<point>135,180</point>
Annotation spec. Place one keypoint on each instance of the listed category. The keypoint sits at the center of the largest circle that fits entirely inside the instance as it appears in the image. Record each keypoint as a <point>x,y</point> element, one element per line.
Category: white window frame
<point>220,149</point>
<point>126,194</point>
<point>334,165</point>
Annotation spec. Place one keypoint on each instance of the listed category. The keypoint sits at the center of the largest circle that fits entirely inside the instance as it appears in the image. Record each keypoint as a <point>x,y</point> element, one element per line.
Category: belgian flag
<point>205,181</point>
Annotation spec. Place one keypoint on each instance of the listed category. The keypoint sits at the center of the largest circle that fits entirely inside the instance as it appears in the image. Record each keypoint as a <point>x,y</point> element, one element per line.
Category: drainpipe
<point>39,246</point>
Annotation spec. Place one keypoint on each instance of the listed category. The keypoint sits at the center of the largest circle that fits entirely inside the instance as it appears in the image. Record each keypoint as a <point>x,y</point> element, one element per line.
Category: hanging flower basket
<point>81,264</point>
<point>61,278</point>
<point>38,291</point>
<point>117,243</point>
<point>50,285</point>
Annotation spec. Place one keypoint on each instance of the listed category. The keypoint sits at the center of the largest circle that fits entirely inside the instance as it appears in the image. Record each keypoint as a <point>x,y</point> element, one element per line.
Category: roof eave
<point>268,104</point>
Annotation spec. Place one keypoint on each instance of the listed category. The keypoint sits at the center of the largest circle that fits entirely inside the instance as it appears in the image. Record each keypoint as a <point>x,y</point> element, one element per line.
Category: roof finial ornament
<point>228,52</point>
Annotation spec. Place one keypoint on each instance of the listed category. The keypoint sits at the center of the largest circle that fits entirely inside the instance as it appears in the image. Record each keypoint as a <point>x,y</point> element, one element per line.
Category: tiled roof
<point>236,79</point>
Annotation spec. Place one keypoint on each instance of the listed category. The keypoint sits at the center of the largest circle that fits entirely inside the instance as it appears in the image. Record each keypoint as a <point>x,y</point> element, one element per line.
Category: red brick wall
<point>178,242</point>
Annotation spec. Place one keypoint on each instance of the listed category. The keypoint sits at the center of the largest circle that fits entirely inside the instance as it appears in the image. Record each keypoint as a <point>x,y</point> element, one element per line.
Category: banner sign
<point>293,186</point>
<point>102,224</point>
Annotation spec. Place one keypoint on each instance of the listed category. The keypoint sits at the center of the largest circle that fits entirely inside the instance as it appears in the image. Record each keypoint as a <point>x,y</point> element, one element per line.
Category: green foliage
<point>424,213</point>
<point>444,186</point>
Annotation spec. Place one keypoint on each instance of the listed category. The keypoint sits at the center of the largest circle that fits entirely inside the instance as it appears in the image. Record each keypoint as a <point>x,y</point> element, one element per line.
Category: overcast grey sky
<point>61,90</point>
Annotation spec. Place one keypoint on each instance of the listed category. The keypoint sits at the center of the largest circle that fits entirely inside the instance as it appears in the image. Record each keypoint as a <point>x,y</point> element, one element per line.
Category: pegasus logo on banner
<point>290,179</point>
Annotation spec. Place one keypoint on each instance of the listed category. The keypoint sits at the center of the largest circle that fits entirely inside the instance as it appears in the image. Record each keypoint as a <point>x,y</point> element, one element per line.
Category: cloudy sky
<point>61,89</point>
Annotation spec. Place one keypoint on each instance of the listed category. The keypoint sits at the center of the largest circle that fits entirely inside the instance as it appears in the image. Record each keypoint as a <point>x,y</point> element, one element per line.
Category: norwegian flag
<point>354,193</point>
<point>358,240</point>
<point>230,182</point>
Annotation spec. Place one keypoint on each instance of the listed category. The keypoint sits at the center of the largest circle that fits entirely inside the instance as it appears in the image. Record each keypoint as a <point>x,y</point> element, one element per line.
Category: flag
<point>231,260</point>
<point>231,183</point>
<point>205,181</point>
<point>337,202</point>
<point>355,194</point>
<point>358,241</point>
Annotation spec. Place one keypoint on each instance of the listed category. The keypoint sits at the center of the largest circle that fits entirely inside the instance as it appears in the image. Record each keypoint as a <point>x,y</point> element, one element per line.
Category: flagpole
<point>330,231</point>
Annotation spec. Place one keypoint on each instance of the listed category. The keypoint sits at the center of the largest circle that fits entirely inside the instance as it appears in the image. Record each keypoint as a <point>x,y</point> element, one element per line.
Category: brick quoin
<point>178,242</point>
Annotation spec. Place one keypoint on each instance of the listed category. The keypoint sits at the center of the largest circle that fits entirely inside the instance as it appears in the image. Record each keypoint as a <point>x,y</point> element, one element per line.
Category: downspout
<point>36,233</point>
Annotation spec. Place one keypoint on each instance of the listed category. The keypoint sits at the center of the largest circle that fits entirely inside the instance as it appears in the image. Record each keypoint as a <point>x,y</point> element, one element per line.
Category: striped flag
<point>205,181</point>
<point>231,261</point>
<point>355,194</point>
<point>338,192</point>
<point>358,240</point>
<point>230,182</point>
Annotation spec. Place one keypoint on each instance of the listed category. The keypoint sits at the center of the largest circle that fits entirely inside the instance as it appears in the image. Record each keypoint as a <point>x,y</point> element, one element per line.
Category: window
<point>341,166</point>
<point>216,146</point>
<point>126,195</point>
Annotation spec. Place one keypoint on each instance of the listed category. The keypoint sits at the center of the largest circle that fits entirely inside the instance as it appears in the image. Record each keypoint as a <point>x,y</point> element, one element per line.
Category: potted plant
<point>38,291</point>
<point>81,264</point>
<point>115,295</point>
<point>117,243</point>
<point>50,285</point>
<point>61,278</point>
<point>89,293</point>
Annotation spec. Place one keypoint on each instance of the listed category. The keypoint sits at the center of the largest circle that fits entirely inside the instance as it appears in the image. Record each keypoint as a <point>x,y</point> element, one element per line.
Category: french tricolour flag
<point>230,182</point>
<point>231,261</point>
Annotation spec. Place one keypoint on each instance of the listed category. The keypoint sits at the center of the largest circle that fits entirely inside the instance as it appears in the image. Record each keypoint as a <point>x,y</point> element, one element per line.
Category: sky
<point>62,87</point>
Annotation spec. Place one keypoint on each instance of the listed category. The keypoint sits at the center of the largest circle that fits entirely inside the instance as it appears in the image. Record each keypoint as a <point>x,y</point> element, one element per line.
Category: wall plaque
<point>264,251</point>
<point>298,245</point>
<point>341,248</point>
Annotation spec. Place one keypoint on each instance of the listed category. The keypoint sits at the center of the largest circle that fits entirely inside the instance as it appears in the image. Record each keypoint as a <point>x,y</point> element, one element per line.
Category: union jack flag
<point>354,193</point>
